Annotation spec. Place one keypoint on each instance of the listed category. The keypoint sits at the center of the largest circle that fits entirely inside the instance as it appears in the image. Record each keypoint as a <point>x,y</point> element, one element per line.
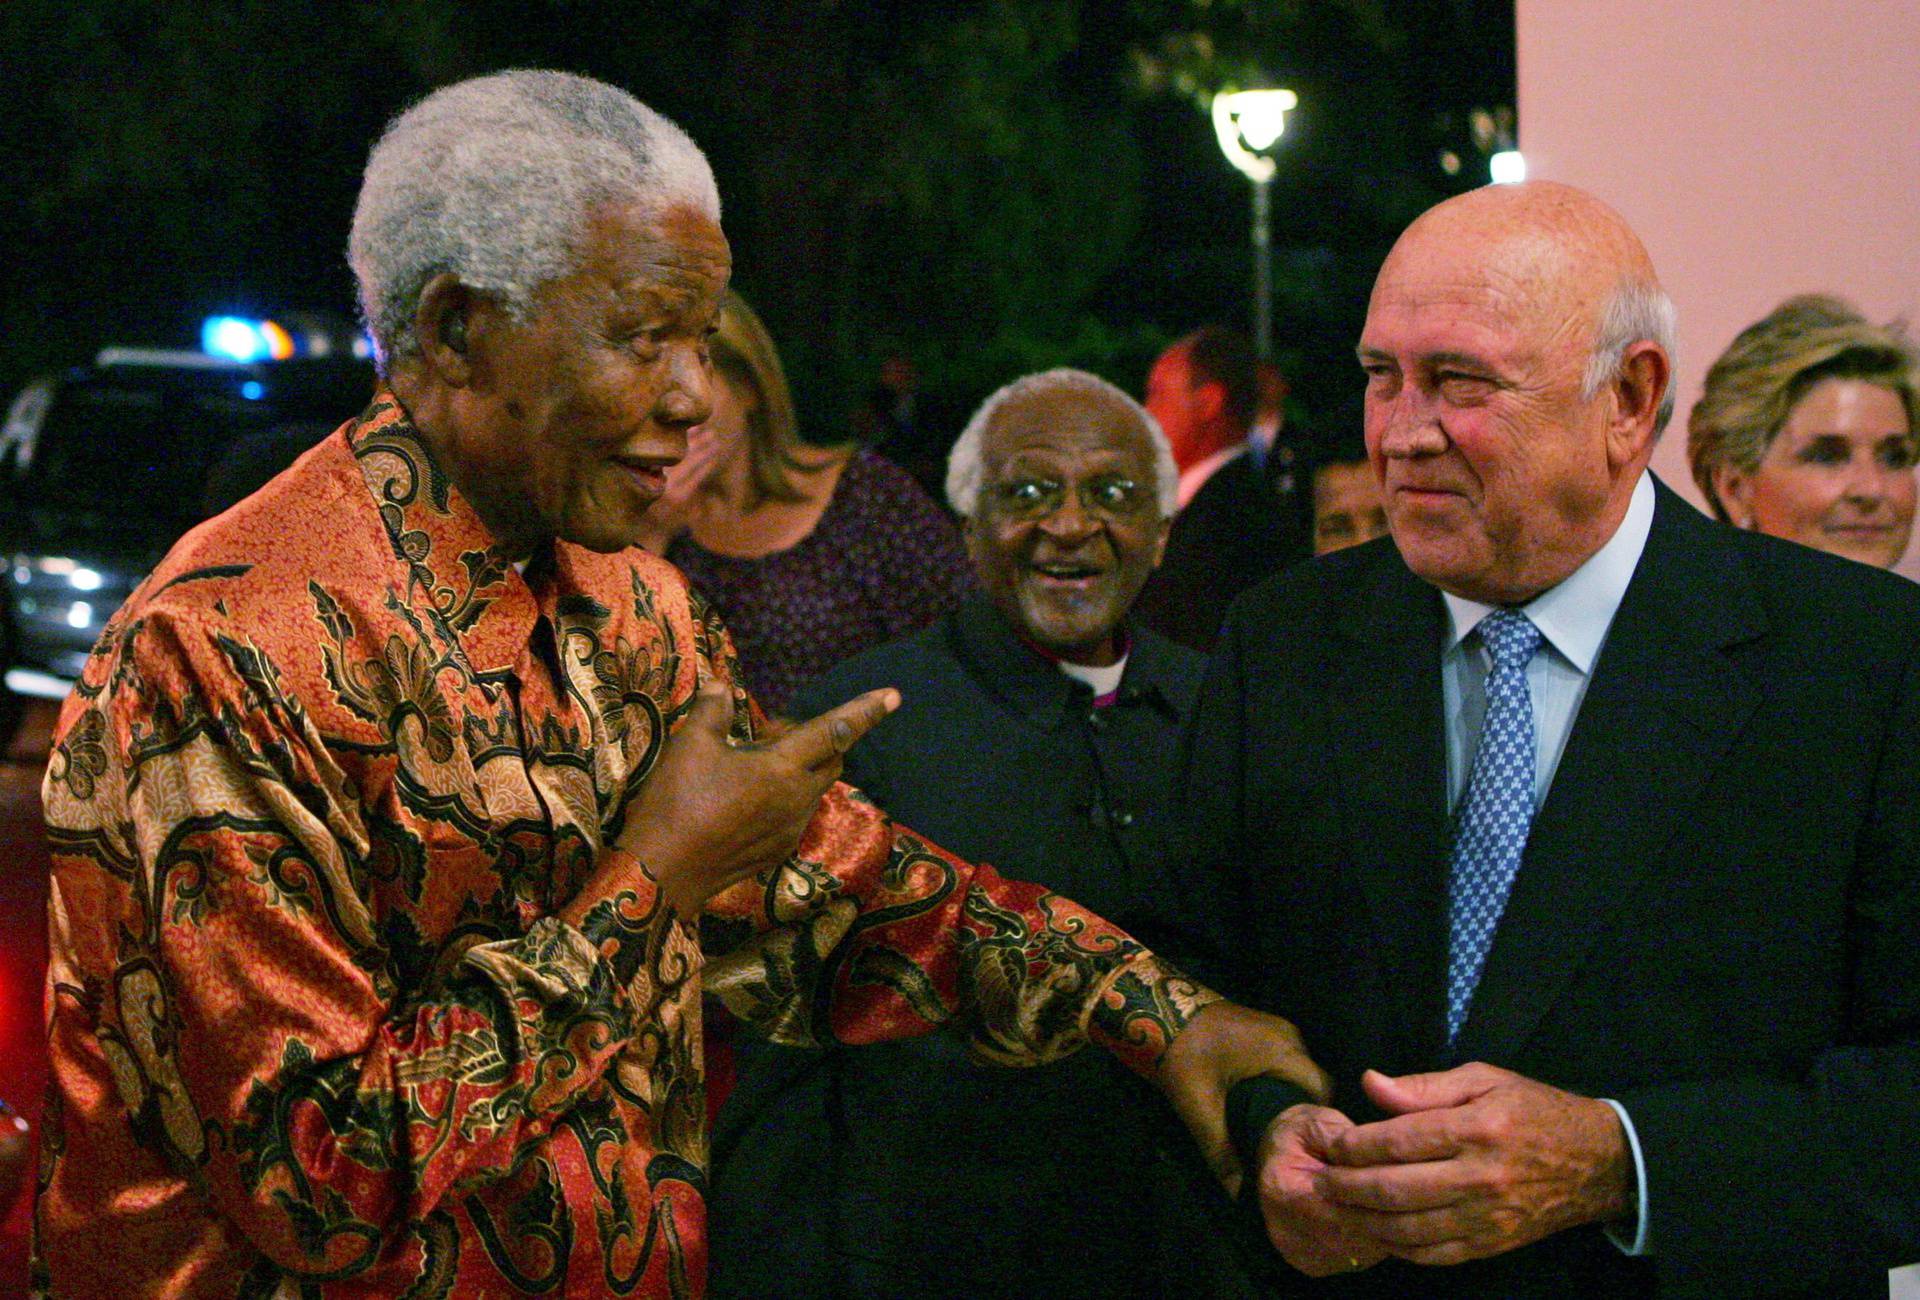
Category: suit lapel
<point>1387,738</point>
<point>1664,705</point>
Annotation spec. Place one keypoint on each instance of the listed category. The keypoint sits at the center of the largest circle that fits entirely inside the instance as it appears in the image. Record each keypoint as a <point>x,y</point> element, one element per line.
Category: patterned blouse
<point>315,1026</point>
<point>882,561</point>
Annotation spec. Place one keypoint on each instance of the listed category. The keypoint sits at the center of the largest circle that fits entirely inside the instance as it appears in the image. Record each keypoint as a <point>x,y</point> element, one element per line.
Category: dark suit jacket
<point>921,1171</point>
<point>1716,923</point>
<point>1234,532</point>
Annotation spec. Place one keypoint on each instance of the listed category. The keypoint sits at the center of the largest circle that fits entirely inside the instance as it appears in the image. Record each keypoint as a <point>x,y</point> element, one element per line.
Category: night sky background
<point>987,188</point>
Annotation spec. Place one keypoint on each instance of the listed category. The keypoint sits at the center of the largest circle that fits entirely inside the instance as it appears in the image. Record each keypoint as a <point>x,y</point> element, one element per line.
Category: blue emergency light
<point>242,339</point>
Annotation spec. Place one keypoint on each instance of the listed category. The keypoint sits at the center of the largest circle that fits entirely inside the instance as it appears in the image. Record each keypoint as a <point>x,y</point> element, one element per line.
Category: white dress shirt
<point>1574,617</point>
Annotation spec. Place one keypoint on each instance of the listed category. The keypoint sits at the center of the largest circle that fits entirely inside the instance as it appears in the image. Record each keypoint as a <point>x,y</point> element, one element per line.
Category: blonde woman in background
<point>811,553</point>
<point>1807,430</point>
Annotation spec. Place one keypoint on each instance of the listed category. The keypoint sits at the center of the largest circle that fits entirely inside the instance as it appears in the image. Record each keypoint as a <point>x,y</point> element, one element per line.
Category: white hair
<point>493,179</point>
<point>1637,311</point>
<point>964,470</point>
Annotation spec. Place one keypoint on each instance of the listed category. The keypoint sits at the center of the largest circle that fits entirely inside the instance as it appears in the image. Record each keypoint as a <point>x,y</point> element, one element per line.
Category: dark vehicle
<point>105,467</point>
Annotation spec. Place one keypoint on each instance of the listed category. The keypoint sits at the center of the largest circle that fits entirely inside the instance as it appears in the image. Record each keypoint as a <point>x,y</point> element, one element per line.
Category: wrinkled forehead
<point>696,233</point>
<point>1540,247</point>
<point>675,230</point>
<point>1484,292</point>
<point>1058,423</point>
<point>1515,266</point>
<point>644,256</point>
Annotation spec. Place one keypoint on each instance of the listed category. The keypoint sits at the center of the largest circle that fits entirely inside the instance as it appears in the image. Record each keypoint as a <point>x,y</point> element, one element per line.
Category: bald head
<point>1517,342</point>
<point>1543,226</point>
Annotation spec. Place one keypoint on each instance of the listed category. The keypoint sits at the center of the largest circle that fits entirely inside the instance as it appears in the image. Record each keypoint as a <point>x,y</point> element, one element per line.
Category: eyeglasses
<point>1104,496</point>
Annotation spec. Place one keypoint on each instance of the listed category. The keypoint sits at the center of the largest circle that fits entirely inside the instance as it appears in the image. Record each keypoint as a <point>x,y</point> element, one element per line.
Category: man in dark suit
<point>1038,730</point>
<point>1233,527</point>
<point>1580,835</point>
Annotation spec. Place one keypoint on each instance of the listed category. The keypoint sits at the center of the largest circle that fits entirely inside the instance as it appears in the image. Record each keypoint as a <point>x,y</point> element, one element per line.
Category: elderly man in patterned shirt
<point>395,818</point>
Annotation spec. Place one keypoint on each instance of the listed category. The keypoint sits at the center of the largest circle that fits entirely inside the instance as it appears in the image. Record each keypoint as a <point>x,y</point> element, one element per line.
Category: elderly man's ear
<point>451,321</point>
<point>1208,400</point>
<point>1644,375</point>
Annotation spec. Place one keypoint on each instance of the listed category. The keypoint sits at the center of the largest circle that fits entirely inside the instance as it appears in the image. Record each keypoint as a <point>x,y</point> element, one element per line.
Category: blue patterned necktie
<point>1491,832</point>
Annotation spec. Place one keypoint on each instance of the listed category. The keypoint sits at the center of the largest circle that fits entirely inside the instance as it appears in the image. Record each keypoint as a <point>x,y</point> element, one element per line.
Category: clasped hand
<point>1471,1162</point>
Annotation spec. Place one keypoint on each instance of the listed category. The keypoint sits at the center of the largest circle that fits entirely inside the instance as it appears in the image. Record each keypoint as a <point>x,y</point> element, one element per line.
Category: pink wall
<point>1760,147</point>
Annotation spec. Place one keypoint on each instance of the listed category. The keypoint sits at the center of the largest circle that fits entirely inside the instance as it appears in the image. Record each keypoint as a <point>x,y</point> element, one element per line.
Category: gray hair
<point>965,472</point>
<point>1637,311</point>
<point>493,179</point>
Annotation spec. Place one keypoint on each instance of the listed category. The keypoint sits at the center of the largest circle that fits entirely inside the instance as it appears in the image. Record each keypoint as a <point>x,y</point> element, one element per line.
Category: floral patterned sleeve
<point>870,932</point>
<point>250,1023</point>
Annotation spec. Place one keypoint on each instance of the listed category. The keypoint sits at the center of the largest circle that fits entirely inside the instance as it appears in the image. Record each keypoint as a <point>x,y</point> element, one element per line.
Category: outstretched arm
<point>871,932</point>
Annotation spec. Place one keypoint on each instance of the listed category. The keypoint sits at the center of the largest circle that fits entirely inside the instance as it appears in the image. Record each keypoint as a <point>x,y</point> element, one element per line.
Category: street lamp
<point>1248,123</point>
<point>1508,167</point>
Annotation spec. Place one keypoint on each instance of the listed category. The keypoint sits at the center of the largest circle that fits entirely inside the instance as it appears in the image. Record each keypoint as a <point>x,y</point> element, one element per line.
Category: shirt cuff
<point>1636,1242</point>
<point>1143,1007</point>
<point>1252,1106</point>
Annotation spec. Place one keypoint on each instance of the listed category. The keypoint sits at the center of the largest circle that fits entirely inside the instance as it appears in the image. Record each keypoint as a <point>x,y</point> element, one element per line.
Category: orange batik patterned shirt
<point>315,1026</point>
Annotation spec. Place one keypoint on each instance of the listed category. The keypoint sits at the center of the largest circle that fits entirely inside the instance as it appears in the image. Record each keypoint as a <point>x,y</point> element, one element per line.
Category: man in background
<point>1264,438</point>
<point>1039,732</point>
<point>1231,529</point>
<point>1348,505</point>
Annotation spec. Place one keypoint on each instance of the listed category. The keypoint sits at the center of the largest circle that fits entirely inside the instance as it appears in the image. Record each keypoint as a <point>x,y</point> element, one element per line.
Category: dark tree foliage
<point>987,187</point>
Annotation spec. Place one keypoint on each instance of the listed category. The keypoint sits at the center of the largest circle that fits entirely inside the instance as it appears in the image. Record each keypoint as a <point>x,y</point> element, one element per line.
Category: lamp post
<point>1248,123</point>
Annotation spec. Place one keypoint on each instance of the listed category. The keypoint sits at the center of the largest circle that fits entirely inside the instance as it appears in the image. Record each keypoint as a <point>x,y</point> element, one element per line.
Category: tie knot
<point>1510,637</point>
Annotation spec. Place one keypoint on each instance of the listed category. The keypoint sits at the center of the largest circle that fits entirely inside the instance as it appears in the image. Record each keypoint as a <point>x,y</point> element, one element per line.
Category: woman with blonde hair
<point>1809,429</point>
<point>811,553</point>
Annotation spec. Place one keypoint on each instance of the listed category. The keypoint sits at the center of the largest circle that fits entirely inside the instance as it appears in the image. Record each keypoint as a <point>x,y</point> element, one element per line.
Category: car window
<point>106,444</point>
<point>98,442</point>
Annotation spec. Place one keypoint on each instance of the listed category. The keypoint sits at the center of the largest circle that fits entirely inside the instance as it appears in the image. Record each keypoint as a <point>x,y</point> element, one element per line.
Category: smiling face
<point>1068,523</point>
<point>1500,478</point>
<point>570,417</point>
<point>1839,476</point>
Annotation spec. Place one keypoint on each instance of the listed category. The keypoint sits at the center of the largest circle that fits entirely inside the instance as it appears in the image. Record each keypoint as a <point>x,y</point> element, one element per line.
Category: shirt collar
<point>1194,476</point>
<point>1103,681</point>
<point>1574,614</point>
<point>1029,681</point>
<point>453,564</point>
